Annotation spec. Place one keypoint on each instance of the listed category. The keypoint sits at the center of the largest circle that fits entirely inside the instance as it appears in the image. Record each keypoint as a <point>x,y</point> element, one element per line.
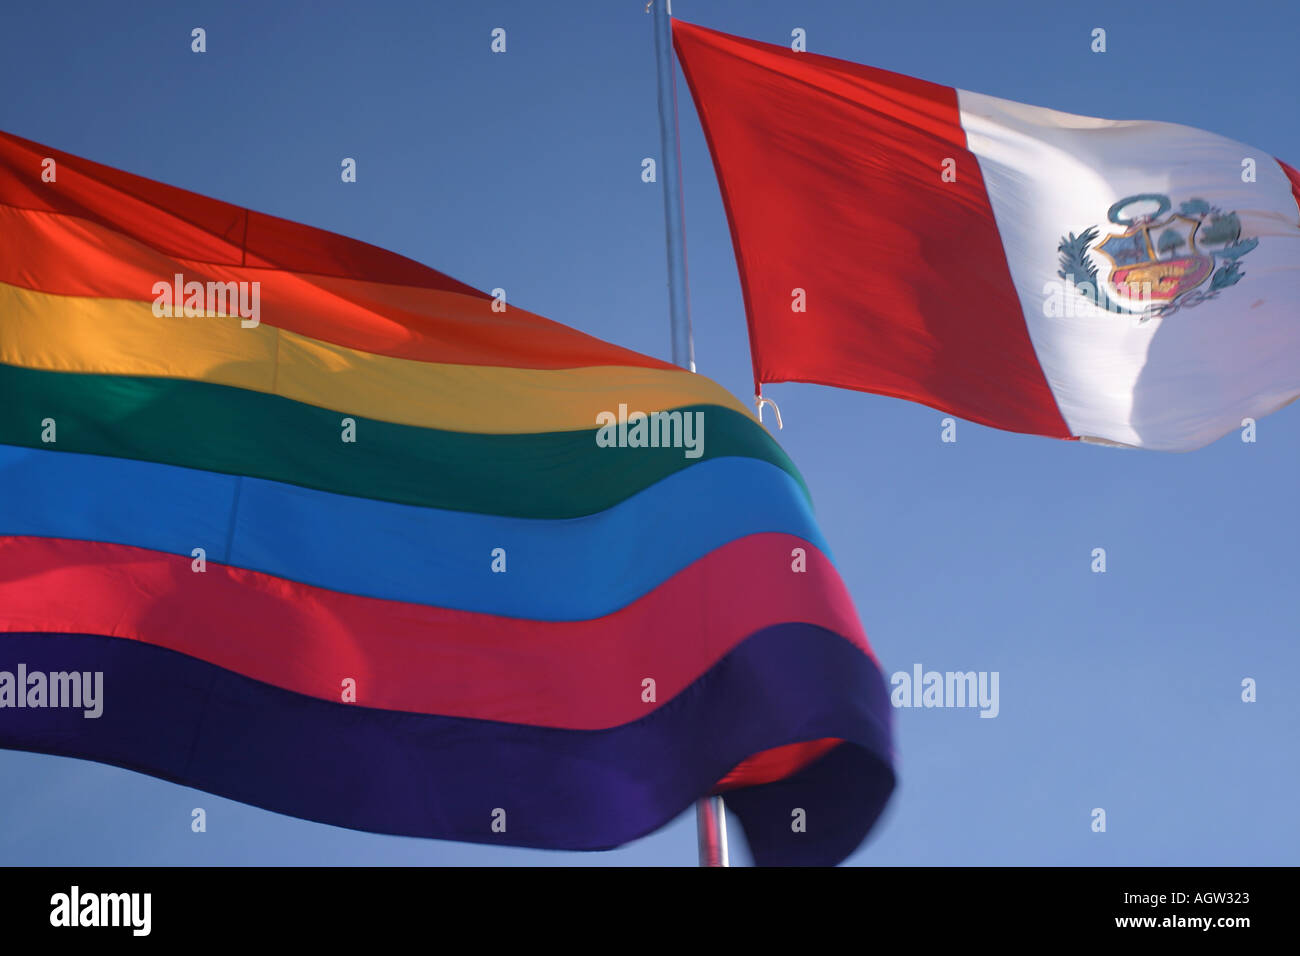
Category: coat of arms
<point>1162,260</point>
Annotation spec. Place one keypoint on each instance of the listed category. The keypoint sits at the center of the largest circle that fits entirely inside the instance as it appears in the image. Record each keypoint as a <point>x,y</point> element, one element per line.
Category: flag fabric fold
<point>1131,282</point>
<point>349,542</point>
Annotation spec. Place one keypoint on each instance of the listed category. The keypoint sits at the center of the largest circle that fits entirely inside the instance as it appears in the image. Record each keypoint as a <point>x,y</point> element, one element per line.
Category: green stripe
<point>238,432</point>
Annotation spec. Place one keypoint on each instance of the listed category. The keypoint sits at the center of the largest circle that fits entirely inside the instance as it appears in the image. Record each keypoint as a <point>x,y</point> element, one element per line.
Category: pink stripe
<point>582,675</point>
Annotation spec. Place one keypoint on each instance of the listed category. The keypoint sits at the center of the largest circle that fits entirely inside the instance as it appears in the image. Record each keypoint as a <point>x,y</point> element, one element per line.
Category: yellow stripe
<point>59,333</point>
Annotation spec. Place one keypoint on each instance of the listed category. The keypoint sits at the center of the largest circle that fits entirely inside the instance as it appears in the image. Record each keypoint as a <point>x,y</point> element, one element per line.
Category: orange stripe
<point>119,337</point>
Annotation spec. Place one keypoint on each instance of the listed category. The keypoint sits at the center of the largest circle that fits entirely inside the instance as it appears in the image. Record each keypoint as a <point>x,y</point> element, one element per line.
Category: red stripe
<point>1293,175</point>
<point>831,176</point>
<point>100,232</point>
<point>190,226</point>
<point>775,764</point>
<point>582,675</point>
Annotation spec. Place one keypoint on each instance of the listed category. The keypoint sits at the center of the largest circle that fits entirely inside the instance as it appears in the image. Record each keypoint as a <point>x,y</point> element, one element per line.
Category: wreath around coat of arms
<point>1161,261</point>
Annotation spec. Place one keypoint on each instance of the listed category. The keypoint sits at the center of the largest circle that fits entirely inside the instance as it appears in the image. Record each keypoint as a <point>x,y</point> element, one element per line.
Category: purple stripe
<point>188,721</point>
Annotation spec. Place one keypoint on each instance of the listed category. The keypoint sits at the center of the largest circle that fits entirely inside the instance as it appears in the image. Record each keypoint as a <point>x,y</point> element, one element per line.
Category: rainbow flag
<point>306,524</point>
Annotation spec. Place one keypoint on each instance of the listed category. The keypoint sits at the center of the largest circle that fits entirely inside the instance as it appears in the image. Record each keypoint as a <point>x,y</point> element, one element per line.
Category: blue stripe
<point>556,570</point>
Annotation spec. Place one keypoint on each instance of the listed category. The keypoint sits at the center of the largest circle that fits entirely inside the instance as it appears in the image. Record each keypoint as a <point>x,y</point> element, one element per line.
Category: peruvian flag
<point>1120,281</point>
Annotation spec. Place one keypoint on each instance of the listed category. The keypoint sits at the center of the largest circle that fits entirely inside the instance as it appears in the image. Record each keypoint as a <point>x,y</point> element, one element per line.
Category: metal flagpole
<point>710,813</point>
<point>711,828</point>
<point>670,171</point>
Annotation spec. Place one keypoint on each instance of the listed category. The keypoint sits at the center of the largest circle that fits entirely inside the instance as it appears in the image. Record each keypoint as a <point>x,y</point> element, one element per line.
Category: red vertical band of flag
<point>1293,175</point>
<point>832,178</point>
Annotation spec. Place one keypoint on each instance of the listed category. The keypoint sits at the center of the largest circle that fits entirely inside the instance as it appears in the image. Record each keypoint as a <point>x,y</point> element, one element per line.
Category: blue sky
<point>1118,690</point>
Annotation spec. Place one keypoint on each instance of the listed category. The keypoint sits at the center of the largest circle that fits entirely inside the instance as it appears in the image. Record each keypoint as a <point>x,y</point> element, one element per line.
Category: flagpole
<point>711,829</point>
<point>710,812</point>
<point>670,172</point>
